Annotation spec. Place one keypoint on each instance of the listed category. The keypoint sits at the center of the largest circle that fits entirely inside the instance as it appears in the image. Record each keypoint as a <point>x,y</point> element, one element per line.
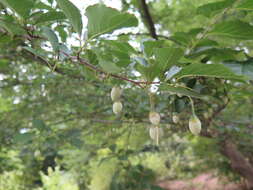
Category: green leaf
<point>102,19</point>
<point>35,53</point>
<point>41,5</point>
<point>208,70</point>
<point>166,57</point>
<point>121,46</point>
<point>4,63</point>
<point>149,46</point>
<point>40,125</point>
<point>206,42</point>
<point>24,137</point>
<point>181,38</point>
<point>245,5</point>
<point>185,38</point>
<point>235,29</point>
<point>241,68</point>
<point>64,51</point>
<point>120,52</point>
<point>52,37</point>
<point>50,16</point>
<point>211,9</point>
<point>21,7</point>
<point>92,57</point>
<point>116,52</point>
<point>31,50</point>
<point>109,66</point>
<point>5,39</point>
<point>62,33</point>
<point>181,90</point>
<point>149,72</point>
<point>35,15</point>
<point>121,58</point>
<point>72,13</point>
<point>219,54</point>
<point>13,29</point>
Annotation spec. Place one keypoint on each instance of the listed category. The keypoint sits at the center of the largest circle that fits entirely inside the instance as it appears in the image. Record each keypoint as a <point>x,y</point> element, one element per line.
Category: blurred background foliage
<point>57,128</point>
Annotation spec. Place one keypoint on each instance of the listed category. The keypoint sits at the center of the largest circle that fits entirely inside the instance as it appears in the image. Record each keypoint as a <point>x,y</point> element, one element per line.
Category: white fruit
<point>179,95</point>
<point>37,153</point>
<point>154,118</point>
<point>195,125</point>
<point>116,93</point>
<point>175,118</point>
<point>225,99</point>
<point>19,49</point>
<point>155,133</point>
<point>206,115</point>
<point>117,107</point>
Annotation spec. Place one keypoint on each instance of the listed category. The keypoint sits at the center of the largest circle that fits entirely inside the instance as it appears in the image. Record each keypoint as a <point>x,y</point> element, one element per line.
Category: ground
<point>206,181</point>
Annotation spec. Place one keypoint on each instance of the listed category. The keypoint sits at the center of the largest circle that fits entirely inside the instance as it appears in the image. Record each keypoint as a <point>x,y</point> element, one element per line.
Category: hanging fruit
<point>175,118</point>
<point>116,93</point>
<point>117,107</point>
<point>155,133</point>
<point>154,118</point>
<point>195,125</point>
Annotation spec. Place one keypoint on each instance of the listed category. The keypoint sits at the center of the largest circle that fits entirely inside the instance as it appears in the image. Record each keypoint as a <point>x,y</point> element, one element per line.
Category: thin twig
<point>94,68</point>
<point>145,34</point>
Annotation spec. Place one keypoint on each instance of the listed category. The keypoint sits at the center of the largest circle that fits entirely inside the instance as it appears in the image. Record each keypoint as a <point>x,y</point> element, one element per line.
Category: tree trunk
<point>238,162</point>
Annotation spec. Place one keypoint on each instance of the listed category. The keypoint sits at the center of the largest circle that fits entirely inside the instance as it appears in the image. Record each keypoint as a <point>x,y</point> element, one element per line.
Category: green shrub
<point>12,180</point>
<point>58,180</point>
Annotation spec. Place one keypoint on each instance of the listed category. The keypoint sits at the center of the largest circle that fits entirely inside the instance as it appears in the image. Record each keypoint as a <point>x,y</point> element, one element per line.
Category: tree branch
<point>44,62</point>
<point>29,55</point>
<point>147,18</point>
<point>93,67</point>
<point>146,34</point>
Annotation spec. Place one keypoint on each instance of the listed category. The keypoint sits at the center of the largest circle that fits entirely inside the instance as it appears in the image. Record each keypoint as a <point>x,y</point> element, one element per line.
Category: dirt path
<point>202,182</point>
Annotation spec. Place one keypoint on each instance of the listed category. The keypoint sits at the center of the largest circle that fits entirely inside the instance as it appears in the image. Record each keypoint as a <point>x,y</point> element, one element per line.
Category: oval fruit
<point>37,153</point>
<point>155,132</point>
<point>195,125</point>
<point>19,49</point>
<point>116,93</point>
<point>117,107</point>
<point>179,95</point>
<point>206,115</point>
<point>154,118</point>
<point>225,99</point>
<point>175,118</point>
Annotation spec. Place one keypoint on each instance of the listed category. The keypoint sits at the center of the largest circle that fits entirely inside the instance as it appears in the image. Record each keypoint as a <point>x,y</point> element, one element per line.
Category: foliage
<point>58,180</point>
<point>57,126</point>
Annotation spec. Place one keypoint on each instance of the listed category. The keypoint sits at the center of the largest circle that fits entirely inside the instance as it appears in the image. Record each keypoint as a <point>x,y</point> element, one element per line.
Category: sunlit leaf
<point>22,7</point>
<point>241,68</point>
<point>52,37</point>
<point>72,13</point>
<point>208,70</point>
<point>12,28</point>
<point>234,29</point>
<point>166,57</point>
<point>245,5</point>
<point>102,19</point>
<point>50,16</point>
<point>213,8</point>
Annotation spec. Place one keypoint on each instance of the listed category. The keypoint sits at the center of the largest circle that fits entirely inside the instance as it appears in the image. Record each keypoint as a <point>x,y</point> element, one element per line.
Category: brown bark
<point>148,20</point>
<point>238,162</point>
